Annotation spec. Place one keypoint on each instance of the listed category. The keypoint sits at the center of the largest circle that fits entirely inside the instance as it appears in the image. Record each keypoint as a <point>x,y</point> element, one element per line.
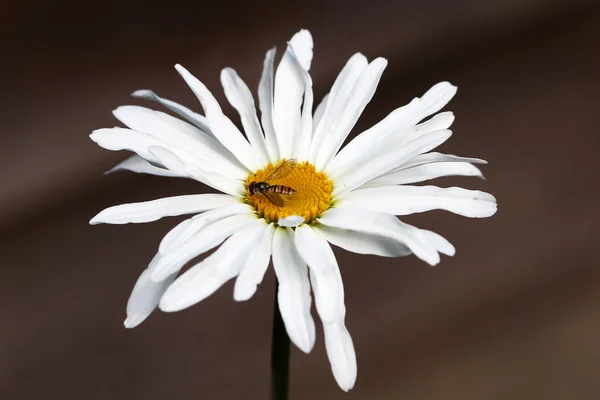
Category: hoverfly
<point>272,192</point>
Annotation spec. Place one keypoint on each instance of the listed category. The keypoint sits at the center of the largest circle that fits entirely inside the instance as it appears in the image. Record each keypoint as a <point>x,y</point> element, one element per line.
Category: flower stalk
<point>280,354</point>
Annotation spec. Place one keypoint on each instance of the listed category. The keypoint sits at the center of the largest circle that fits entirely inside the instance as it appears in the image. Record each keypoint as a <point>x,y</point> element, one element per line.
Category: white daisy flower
<point>349,196</point>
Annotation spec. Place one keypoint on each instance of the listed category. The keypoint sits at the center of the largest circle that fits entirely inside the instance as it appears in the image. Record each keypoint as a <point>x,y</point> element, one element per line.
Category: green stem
<point>280,355</point>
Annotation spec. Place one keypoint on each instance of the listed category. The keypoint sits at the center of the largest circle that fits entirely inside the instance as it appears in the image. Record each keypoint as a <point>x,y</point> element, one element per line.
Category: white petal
<point>222,127</point>
<point>329,298</point>
<point>326,289</point>
<point>439,242</point>
<point>314,249</point>
<point>434,157</point>
<point>396,128</point>
<point>116,139</point>
<point>404,200</point>
<point>137,164</point>
<point>302,43</point>
<point>240,97</point>
<point>202,171</point>
<point>294,290</point>
<point>171,240</point>
<point>361,94</point>
<point>320,111</point>
<point>341,354</point>
<point>380,224</point>
<point>188,228</point>
<point>255,267</point>
<point>302,146</point>
<point>364,243</point>
<point>289,88</point>
<point>400,121</point>
<point>265,102</point>
<point>204,278</point>
<point>432,101</point>
<point>144,298</point>
<point>425,172</point>
<point>180,134</point>
<point>291,221</point>
<point>438,122</point>
<point>199,120</point>
<point>169,160</point>
<point>337,99</point>
<point>161,126</point>
<point>207,238</point>
<point>126,139</point>
<point>317,253</point>
<point>148,211</point>
<point>396,155</point>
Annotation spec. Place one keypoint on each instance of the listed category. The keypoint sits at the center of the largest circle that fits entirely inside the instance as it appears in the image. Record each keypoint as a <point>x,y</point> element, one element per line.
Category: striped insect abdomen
<point>281,189</point>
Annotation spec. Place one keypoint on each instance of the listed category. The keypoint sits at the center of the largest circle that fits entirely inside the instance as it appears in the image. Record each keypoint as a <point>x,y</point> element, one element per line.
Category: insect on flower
<point>272,192</point>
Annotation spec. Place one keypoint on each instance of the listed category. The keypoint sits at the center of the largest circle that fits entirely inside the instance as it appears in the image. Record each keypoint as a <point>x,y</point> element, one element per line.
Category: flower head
<point>288,190</point>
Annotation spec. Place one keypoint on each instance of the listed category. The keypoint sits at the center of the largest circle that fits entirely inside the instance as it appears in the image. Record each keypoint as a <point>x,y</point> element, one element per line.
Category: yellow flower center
<point>312,193</point>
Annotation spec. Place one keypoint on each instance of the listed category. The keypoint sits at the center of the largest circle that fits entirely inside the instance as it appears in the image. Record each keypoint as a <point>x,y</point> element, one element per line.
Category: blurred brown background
<point>514,315</point>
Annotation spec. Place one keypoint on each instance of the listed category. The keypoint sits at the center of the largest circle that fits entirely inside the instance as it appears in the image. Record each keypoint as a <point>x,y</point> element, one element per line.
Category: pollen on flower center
<point>312,193</point>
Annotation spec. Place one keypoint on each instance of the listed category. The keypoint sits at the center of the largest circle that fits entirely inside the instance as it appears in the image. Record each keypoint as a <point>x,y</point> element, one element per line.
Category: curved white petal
<point>364,243</point>
<point>178,133</point>
<point>314,249</point>
<point>255,267</point>
<point>188,228</point>
<point>202,171</point>
<point>218,181</point>
<point>438,122</point>
<point>380,224</point>
<point>329,298</point>
<point>361,94</point>
<point>377,139</point>
<point>396,155</point>
<point>144,298</point>
<point>291,221</point>
<point>265,102</point>
<point>302,43</point>
<point>294,290</point>
<point>204,278</point>
<point>222,127</point>
<point>171,240</point>
<point>240,97</point>
<point>170,160</point>
<point>302,48</point>
<point>340,91</point>
<point>126,139</point>
<point>137,164</point>
<point>425,172</point>
<point>116,139</point>
<point>148,211</point>
<point>402,120</point>
<point>301,147</point>
<point>433,157</point>
<point>207,238</point>
<point>317,253</point>
<point>404,200</point>
<point>341,354</point>
<point>326,288</point>
<point>432,101</point>
<point>199,120</point>
<point>439,242</point>
<point>161,126</point>
<point>289,88</point>
<point>320,110</point>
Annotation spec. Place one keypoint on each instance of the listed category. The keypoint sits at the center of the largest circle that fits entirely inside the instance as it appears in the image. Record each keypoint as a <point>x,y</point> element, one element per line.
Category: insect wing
<point>274,198</point>
<point>283,170</point>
